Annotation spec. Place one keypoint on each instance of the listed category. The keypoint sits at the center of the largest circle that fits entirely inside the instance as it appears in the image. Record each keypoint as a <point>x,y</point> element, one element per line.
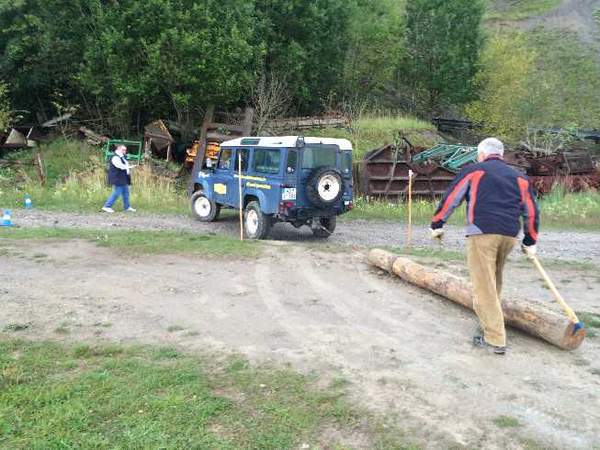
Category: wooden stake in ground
<point>533,317</point>
<point>409,230</point>
<point>240,189</point>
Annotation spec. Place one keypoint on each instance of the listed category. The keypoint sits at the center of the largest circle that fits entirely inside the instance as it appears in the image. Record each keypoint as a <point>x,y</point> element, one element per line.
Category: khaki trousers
<point>486,256</point>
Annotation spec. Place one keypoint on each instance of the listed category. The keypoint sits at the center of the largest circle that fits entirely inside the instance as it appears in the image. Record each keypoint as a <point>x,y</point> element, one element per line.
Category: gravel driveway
<point>568,245</point>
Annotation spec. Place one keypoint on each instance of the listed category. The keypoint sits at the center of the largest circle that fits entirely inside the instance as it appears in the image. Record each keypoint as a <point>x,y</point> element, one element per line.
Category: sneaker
<point>107,209</point>
<point>130,209</point>
<point>479,341</point>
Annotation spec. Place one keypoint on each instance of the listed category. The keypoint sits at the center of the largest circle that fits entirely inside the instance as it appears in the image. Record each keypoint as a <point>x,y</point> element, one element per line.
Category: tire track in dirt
<point>450,385</point>
<point>307,338</point>
<point>378,334</point>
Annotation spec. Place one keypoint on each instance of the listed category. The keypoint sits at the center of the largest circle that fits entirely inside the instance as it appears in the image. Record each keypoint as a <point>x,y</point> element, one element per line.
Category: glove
<point>529,250</point>
<point>438,233</point>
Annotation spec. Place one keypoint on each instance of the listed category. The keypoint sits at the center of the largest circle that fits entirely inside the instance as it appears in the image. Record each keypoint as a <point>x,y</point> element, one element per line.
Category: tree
<point>270,99</point>
<point>507,66</point>
<point>41,43</point>
<point>536,80</point>
<point>308,40</point>
<point>443,41</point>
<point>159,56</point>
<point>375,49</point>
<point>5,110</point>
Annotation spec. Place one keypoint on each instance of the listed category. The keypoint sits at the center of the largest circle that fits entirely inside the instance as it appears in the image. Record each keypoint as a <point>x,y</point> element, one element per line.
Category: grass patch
<point>145,242</point>
<point>506,422</point>
<point>371,132</point>
<point>584,266</point>
<point>519,9</point>
<point>174,328</point>
<point>120,397</point>
<point>581,210</point>
<point>76,181</point>
<point>591,323</point>
<point>63,330</point>
<point>15,327</point>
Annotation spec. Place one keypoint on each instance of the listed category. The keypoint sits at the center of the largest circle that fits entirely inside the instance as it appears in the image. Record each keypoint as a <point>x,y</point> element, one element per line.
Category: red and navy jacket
<point>497,197</point>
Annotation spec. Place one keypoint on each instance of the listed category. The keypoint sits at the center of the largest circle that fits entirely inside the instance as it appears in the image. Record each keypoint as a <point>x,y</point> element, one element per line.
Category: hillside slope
<point>579,16</point>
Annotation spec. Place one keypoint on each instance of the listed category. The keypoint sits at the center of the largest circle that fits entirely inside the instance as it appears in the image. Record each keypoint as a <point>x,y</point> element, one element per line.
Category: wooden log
<point>93,138</point>
<point>533,317</point>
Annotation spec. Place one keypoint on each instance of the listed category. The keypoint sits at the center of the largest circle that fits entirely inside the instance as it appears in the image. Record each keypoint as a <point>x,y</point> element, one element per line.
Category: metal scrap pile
<point>385,171</point>
<point>575,171</point>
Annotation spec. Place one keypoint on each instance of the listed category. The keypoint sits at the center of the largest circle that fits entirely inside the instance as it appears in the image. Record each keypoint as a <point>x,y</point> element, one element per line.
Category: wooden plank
<point>226,126</point>
<point>212,136</point>
<point>208,118</point>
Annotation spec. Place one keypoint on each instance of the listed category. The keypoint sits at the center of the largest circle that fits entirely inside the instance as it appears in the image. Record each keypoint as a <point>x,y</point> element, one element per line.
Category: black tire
<point>256,224</point>
<point>204,209</point>
<point>330,181</point>
<point>324,227</point>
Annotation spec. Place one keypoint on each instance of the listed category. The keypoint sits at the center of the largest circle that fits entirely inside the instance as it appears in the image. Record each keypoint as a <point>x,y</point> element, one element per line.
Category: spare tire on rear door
<point>324,187</point>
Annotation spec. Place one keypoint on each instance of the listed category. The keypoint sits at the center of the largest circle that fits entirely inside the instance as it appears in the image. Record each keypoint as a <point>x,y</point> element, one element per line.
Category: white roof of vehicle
<point>288,141</point>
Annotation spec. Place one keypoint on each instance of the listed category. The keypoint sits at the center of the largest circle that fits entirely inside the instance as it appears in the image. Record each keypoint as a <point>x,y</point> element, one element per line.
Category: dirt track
<point>405,352</point>
<point>575,16</point>
<point>567,245</point>
<point>572,15</point>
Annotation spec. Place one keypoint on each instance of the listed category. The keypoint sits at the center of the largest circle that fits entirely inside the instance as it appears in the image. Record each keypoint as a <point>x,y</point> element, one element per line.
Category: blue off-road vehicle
<point>303,181</point>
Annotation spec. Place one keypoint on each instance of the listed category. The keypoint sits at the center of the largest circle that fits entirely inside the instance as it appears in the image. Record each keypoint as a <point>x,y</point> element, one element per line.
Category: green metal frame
<point>136,155</point>
<point>439,151</point>
<point>449,156</point>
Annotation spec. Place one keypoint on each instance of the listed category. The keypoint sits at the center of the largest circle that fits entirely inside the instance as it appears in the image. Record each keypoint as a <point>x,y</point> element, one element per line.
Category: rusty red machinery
<point>384,172</point>
<point>574,171</point>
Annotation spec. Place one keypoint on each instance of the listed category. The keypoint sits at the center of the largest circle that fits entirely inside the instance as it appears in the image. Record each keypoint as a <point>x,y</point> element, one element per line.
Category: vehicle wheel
<point>203,208</point>
<point>256,224</point>
<point>324,227</point>
<point>324,186</point>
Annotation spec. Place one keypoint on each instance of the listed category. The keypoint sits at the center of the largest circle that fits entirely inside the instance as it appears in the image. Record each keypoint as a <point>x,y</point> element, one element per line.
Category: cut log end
<point>571,340</point>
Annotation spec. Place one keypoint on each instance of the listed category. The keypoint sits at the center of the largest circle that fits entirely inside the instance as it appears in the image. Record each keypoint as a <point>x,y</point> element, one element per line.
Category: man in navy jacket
<point>119,178</point>
<point>497,198</point>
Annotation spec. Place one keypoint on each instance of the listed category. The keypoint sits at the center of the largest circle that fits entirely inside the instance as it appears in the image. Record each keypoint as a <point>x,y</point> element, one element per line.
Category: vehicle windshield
<point>319,155</point>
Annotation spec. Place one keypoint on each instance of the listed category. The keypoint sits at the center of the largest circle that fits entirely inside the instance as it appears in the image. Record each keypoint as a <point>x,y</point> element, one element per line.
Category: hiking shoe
<point>479,341</point>
<point>107,209</point>
<point>130,209</point>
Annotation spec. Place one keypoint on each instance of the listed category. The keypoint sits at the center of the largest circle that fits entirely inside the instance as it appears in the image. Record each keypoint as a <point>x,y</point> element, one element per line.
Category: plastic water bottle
<point>6,218</point>
<point>28,202</point>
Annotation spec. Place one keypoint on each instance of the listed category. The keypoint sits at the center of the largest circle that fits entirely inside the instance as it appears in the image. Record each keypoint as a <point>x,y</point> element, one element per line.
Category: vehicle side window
<point>266,161</point>
<point>225,159</point>
<point>292,161</point>
<point>245,152</point>
<point>347,162</point>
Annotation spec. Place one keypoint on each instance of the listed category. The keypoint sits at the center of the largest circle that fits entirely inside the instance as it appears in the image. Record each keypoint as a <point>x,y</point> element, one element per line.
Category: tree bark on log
<point>533,317</point>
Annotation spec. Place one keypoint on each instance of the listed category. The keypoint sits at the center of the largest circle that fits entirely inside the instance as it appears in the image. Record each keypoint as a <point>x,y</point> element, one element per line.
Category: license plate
<point>288,194</point>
